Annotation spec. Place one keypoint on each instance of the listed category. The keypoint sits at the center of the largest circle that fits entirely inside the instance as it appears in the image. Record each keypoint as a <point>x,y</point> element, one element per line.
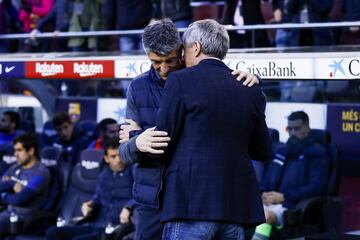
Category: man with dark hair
<point>107,129</point>
<point>25,186</point>
<point>298,171</point>
<point>108,205</point>
<point>162,44</point>
<point>9,123</point>
<point>70,138</point>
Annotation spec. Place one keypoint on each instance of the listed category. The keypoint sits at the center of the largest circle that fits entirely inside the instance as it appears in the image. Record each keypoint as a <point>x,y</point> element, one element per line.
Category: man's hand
<point>270,198</point>
<point>34,33</point>
<point>250,79</point>
<point>18,187</point>
<point>125,129</point>
<point>86,208</point>
<point>151,139</point>
<point>125,216</point>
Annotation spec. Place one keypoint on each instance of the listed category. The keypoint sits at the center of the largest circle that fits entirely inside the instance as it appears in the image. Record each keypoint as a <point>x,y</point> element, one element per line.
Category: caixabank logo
<point>70,69</point>
<point>338,68</point>
<point>274,68</point>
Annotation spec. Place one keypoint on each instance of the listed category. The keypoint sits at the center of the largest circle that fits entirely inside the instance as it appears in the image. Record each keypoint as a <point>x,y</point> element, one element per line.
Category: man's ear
<point>197,48</point>
<point>106,159</point>
<point>31,151</point>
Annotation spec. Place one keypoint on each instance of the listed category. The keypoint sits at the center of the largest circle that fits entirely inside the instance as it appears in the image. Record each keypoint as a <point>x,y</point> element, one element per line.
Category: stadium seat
<point>82,185</point>
<point>27,126</point>
<point>89,127</point>
<point>48,134</point>
<point>7,157</point>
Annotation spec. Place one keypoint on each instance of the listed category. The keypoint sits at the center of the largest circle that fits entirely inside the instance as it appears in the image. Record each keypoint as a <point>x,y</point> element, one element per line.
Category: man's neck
<point>30,164</point>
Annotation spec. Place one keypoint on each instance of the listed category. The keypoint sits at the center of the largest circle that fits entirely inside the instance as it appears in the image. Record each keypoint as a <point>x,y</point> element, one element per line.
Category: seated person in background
<point>9,123</point>
<point>107,128</point>
<point>297,172</point>
<point>110,204</point>
<point>24,186</point>
<point>70,138</point>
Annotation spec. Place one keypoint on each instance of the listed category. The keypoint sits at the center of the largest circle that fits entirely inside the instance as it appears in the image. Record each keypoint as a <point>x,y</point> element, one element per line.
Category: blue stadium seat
<point>89,127</point>
<point>7,157</point>
<point>82,184</point>
<point>48,134</point>
<point>27,126</point>
<point>54,159</point>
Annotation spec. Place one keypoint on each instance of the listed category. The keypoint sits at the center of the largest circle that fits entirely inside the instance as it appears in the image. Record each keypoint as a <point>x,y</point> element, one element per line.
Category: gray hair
<point>161,37</point>
<point>211,35</point>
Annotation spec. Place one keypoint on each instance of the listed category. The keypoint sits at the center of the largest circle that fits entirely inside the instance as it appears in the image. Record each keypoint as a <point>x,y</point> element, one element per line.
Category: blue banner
<point>343,122</point>
<point>12,70</point>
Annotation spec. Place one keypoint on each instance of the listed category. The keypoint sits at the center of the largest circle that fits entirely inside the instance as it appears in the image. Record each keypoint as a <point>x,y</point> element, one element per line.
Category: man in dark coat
<point>163,46</point>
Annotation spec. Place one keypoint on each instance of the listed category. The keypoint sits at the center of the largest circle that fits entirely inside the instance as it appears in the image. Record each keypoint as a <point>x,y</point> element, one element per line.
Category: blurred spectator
<point>318,11</point>
<point>302,11</point>
<point>352,13</point>
<point>179,11</point>
<point>32,10</point>
<point>70,138</point>
<point>25,186</point>
<point>127,15</point>
<point>285,37</point>
<point>107,128</point>
<point>111,203</point>
<point>59,16</point>
<point>245,12</point>
<point>9,123</point>
<point>297,172</point>
<point>86,16</point>
<point>9,22</point>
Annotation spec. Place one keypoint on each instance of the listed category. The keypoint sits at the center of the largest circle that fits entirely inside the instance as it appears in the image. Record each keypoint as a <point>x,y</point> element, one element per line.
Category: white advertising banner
<point>271,66</point>
<point>131,68</point>
<point>111,108</point>
<point>338,68</point>
<point>274,68</point>
<point>277,113</point>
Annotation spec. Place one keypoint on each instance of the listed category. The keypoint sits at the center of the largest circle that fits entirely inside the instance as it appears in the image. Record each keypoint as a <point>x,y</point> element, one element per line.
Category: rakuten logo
<point>85,70</point>
<point>45,69</point>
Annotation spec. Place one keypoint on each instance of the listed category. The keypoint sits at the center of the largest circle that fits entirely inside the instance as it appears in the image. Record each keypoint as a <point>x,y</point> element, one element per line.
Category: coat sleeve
<point>260,144</point>
<point>171,115</point>
<point>128,151</point>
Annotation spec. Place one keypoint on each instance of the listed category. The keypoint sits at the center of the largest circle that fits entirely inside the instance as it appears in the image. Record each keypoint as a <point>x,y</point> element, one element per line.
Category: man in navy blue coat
<point>298,171</point>
<point>216,126</point>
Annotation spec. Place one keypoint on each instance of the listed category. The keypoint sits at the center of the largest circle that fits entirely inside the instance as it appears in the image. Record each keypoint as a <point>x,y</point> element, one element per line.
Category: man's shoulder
<point>41,168</point>
<point>315,150</point>
<point>141,79</point>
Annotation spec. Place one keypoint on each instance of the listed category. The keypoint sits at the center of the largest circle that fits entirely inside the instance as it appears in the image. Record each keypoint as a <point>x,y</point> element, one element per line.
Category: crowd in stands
<point>34,16</point>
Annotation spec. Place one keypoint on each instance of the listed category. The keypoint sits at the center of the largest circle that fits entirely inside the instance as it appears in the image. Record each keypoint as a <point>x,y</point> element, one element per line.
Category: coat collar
<point>212,61</point>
